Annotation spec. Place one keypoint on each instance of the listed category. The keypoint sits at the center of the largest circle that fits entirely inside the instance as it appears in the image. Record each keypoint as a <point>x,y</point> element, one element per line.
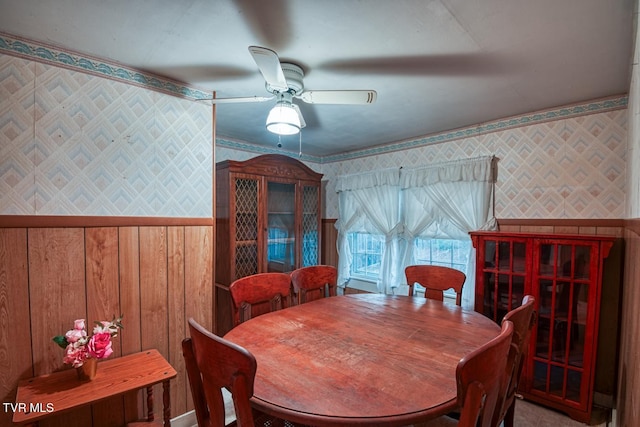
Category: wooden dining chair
<point>479,376</point>
<point>435,279</point>
<point>523,319</point>
<point>258,294</point>
<point>213,363</point>
<point>314,282</point>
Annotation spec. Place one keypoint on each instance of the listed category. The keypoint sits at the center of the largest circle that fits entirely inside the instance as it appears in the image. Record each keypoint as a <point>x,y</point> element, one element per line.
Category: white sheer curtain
<point>369,202</point>
<point>447,201</point>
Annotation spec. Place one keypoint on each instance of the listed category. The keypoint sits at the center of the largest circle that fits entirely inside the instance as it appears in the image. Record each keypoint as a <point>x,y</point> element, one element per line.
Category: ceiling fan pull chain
<point>300,144</point>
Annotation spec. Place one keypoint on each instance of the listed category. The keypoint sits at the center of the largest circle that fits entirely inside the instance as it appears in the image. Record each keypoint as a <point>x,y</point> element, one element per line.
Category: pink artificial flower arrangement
<point>79,347</point>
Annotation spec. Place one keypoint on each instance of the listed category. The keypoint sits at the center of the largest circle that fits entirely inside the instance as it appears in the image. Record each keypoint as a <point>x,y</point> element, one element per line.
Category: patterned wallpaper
<point>73,142</point>
<point>76,144</point>
<point>573,168</point>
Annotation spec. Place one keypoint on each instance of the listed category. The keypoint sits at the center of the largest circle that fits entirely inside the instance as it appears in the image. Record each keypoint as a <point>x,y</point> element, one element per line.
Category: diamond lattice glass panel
<point>246,221</point>
<point>309,226</point>
<point>246,260</point>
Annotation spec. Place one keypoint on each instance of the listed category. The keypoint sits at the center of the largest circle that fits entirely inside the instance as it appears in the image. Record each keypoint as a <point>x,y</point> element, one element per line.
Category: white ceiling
<point>436,65</point>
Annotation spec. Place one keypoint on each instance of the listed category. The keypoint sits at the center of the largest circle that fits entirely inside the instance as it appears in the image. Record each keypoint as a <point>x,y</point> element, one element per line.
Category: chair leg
<point>510,415</point>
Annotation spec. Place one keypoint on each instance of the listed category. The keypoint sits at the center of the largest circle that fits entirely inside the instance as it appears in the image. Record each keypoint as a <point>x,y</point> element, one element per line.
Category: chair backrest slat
<point>523,319</point>
<point>479,377</point>
<point>435,279</point>
<point>213,363</point>
<point>258,294</point>
<point>314,282</point>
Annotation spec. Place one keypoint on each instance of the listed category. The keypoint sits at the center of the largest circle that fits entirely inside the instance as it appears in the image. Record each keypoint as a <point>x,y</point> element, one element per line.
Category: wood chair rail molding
<point>44,221</point>
<point>633,225</point>
<point>563,226</point>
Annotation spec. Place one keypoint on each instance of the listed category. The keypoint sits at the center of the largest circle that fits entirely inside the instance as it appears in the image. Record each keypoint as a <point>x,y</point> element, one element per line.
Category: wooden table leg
<point>166,402</point>
<point>150,403</point>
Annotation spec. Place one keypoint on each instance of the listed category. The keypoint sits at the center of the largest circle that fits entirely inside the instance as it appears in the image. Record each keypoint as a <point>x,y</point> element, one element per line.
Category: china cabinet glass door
<point>566,285</point>
<point>281,227</point>
<point>504,273</point>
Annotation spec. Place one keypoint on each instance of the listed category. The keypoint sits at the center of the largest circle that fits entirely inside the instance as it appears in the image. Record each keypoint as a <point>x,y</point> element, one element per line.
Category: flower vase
<point>87,371</point>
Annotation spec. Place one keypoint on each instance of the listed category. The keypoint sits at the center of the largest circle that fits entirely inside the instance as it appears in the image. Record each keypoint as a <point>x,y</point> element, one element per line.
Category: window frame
<point>464,247</point>
<point>367,252</point>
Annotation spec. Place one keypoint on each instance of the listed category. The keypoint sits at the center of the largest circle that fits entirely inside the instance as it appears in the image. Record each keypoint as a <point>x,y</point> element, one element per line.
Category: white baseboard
<point>188,419</point>
<point>614,421</point>
<point>185,420</point>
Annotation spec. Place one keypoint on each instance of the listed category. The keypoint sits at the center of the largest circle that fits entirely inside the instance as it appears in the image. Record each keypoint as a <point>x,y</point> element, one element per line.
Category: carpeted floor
<point>528,415</point>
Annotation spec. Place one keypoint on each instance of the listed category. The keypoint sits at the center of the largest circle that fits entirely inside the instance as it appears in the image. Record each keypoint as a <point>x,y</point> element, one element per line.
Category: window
<point>366,250</point>
<point>444,252</point>
<point>439,199</point>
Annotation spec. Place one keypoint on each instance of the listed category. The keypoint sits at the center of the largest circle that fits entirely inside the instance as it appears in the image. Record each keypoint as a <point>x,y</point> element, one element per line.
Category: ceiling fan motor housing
<point>294,76</point>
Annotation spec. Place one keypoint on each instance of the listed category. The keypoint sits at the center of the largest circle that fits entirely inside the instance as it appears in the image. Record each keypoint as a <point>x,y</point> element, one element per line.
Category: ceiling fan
<point>284,81</point>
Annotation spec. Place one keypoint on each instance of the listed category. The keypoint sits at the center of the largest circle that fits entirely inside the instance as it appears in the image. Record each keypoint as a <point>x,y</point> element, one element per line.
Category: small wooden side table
<point>52,394</point>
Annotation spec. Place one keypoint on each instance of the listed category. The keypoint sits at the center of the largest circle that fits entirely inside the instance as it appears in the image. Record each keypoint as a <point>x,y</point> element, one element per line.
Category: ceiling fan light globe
<point>283,129</point>
<point>283,119</point>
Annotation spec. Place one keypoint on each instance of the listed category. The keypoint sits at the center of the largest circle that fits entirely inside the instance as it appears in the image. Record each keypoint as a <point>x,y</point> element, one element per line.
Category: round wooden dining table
<point>361,359</point>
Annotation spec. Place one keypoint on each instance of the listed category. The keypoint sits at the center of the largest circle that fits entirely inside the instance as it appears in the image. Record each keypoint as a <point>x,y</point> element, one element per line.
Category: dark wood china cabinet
<point>564,274</point>
<point>267,219</point>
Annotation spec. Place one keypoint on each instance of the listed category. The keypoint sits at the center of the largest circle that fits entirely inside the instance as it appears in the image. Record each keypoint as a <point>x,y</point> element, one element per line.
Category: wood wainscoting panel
<point>103,303</point>
<point>16,361</point>
<point>129,278</point>
<point>176,312</point>
<point>154,310</point>
<point>198,297</point>
<point>129,275</point>
<point>329,250</point>
<point>57,297</point>
<point>156,276</point>
<point>57,290</point>
<point>199,275</point>
<point>153,289</point>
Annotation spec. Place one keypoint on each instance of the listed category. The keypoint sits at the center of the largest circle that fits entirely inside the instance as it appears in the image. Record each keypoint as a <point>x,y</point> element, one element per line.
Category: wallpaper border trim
<point>76,61</point>
<point>580,109</point>
<point>618,102</point>
<point>37,51</point>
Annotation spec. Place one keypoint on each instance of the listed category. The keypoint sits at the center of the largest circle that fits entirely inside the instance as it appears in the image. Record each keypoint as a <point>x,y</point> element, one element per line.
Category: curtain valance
<point>479,169</point>
<point>371,179</point>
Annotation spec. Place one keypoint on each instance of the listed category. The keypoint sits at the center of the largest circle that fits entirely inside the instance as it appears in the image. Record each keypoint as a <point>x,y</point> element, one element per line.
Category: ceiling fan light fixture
<point>283,119</point>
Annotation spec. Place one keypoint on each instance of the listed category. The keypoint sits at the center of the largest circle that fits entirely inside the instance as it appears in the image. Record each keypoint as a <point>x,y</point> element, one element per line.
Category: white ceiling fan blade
<point>302,122</point>
<point>339,96</point>
<point>269,65</point>
<point>240,99</point>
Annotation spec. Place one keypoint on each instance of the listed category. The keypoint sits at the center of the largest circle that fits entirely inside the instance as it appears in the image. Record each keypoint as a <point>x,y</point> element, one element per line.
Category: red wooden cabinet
<point>564,274</point>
